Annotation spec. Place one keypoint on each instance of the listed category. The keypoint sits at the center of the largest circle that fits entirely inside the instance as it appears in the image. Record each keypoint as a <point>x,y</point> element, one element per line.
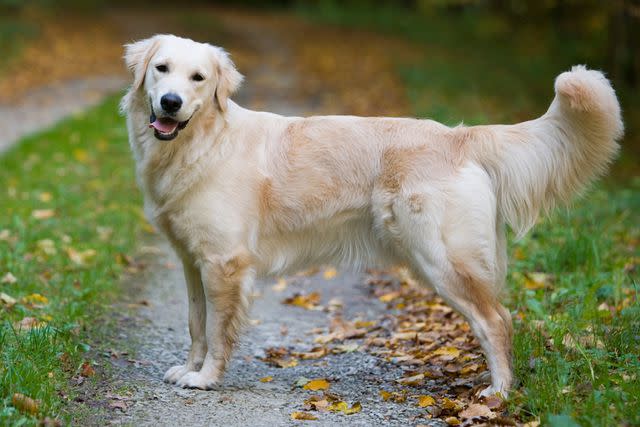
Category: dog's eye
<point>197,77</point>
<point>162,68</point>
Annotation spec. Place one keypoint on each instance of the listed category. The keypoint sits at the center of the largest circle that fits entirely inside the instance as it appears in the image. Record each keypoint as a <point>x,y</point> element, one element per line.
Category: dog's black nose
<point>171,102</point>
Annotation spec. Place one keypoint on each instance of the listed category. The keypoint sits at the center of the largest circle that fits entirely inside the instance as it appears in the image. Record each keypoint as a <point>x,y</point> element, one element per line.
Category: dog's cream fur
<point>241,193</point>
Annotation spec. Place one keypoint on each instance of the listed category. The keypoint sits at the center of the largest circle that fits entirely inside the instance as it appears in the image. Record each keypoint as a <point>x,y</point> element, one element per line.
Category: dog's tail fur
<point>534,165</point>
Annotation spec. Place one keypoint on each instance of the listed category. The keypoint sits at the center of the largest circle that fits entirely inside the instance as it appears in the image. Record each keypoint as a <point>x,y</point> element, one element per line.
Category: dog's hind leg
<point>455,243</point>
<point>227,283</point>
<point>197,317</point>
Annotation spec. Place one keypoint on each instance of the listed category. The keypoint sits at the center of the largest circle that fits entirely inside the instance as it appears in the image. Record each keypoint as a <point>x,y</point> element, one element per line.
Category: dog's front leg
<point>197,315</point>
<point>227,283</point>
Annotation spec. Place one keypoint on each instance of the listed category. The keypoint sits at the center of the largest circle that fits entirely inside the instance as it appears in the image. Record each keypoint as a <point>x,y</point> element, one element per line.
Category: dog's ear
<point>137,56</point>
<point>229,78</point>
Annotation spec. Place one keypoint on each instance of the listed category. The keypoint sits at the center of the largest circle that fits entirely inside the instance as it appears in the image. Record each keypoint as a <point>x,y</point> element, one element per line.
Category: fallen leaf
<point>267,379</point>
<point>45,196</point>
<point>476,410</point>
<point>424,401</point>
<point>316,403</point>
<point>536,281</point>
<point>87,370</point>
<point>398,397</point>
<point>43,213</point>
<point>7,300</point>
<point>389,297</point>
<point>25,403</point>
<point>303,416</point>
<point>317,384</point>
<point>315,353</point>
<point>342,406</point>
<point>494,402</point>
<point>80,257</point>
<point>413,381</point>
<point>35,299</point>
<point>329,273</point>
<point>452,421</point>
<point>309,302</point>
<point>279,357</point>
<point>450,405</point>
<point>28,323</point>
<point>354,409</point>
<point>449,352</point>
<point>345,348</point>
<point>9,279</point>
<point>46,246</point>
<point>80,155</point>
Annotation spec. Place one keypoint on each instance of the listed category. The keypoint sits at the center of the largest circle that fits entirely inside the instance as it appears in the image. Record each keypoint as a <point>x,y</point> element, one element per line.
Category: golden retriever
<point>241,193</point>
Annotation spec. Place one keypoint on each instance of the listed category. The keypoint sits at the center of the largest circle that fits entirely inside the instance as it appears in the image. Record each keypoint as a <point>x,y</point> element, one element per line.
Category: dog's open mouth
<point>166,128</point>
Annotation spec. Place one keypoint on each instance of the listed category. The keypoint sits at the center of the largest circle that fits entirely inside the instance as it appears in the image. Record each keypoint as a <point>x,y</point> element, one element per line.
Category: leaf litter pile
<point>442,363</point>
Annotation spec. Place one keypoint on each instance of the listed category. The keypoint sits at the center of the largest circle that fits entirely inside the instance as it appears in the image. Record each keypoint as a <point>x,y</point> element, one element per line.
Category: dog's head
<point>178,77</point>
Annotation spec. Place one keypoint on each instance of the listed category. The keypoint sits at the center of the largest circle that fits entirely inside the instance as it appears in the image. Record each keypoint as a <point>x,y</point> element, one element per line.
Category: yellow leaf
<point>80,155</point>
<point>389,297</point>
<point>425,400</point>
<point>309,302</point>
<point>339,406</point>
<point>536,281</point>
<point>452,421</point>
<point>43,213</point>
<point>303,416</point>
<point>36,299</point>
<point>45,197</point>
<point>329,273</point>
<point>266,379</point>
<point>385,395</point>
<point>355,408</point>
<point>519,254</point>
<point>317,384</point>
<point>447,351</point>
<point>450,404</point>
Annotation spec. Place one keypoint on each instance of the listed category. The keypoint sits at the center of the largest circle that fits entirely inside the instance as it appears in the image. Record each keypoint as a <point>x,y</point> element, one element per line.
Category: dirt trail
<point>160,329</point>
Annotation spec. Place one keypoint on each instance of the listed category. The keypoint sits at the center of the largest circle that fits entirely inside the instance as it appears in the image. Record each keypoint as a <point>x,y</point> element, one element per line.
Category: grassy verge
<point>574,280</point>
<point>70,214</point>
<point>575,286</point>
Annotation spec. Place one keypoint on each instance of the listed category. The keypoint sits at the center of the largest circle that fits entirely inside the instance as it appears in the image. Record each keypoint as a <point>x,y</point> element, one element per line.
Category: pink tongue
<point>164,125</point>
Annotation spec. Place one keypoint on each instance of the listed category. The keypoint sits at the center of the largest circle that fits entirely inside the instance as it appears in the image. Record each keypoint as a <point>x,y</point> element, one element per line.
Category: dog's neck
<point>167,169</point>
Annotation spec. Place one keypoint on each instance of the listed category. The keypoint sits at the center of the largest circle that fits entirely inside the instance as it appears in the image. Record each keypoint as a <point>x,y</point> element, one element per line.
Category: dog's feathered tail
<point>536,164</point>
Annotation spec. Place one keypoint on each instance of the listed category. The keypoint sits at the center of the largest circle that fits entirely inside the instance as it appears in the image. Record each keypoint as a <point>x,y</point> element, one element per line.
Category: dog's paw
<point>197,380</point>
<point>490,391</point>
<point>175,373</point>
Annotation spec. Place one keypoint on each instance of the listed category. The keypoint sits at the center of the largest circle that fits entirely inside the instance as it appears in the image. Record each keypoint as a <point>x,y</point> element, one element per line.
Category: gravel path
<point>43,107</point>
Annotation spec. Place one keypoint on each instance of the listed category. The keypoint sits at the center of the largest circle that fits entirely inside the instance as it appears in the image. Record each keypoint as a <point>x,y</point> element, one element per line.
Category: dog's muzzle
<point>166,128</point>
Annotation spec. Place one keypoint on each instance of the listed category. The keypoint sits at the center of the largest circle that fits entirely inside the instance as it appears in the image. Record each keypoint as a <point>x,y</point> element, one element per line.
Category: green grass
<point>591,251</point>
<point>81,170</point>
<point>478,69</point>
